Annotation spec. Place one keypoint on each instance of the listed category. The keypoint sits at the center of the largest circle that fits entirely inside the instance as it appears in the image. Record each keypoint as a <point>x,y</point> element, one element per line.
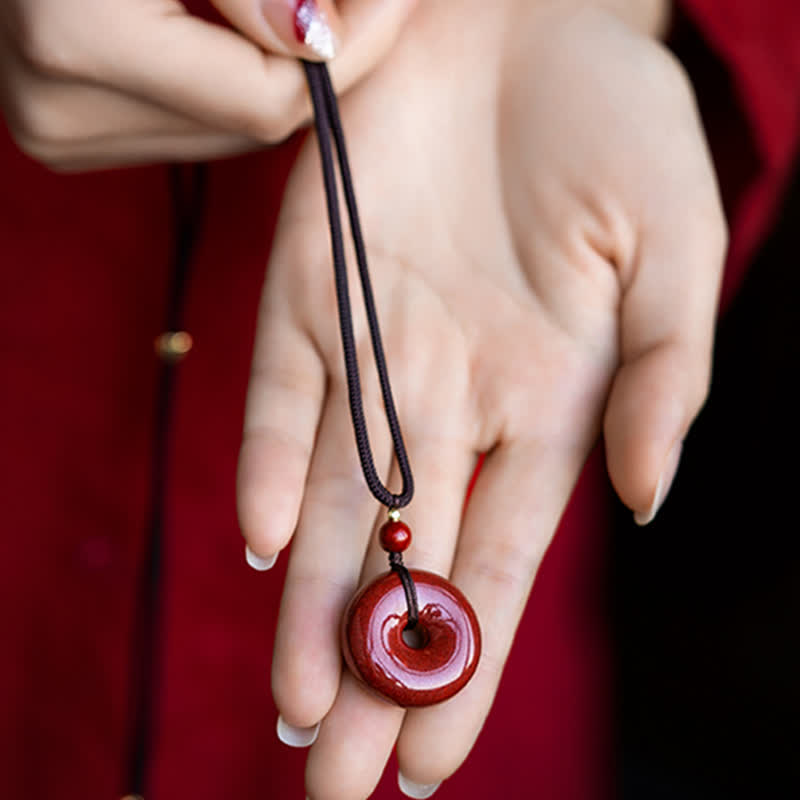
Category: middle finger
<point>327,554</point>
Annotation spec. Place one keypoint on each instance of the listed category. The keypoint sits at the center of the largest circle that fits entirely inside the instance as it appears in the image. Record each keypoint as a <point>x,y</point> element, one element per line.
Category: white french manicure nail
<point>258,563</point>
<point>296,737</point>
<point>419,791</point>
<point>664,484</point>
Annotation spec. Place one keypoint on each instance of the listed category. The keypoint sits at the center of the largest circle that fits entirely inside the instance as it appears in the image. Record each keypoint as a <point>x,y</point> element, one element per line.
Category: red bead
<point>377,654</point>
<point>395,536</point>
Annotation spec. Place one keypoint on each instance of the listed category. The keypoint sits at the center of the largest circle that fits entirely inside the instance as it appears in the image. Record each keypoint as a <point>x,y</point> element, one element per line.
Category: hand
<point>546,243</point>
<point>98,83</point>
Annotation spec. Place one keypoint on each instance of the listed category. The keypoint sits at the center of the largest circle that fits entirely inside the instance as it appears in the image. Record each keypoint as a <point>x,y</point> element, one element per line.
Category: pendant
<point>410,667</point>
<point>410,635</point>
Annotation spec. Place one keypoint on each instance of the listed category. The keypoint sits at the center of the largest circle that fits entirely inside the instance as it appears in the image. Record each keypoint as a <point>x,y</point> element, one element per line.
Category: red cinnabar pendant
<point>426,665</point>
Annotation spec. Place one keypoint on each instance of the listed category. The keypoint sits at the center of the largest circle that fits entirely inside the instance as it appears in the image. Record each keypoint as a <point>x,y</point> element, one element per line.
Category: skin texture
<point>546,244</point>
<point>85,84</point>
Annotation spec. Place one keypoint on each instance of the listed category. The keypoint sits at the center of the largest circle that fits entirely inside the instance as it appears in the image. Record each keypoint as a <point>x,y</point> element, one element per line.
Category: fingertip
<point>305,679</point>
<point>317,27</point>
<point>295,736</point>
<point>650,408</point>
<point>410,788</point>
<point>266,531</point>
<point>259,563</point>
<point>270,481</point>
<point>310,29</point>
<point>663,486</point>
<point>302,709</point>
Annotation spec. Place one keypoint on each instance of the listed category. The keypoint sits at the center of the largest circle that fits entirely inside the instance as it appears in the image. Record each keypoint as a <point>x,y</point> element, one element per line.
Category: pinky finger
<point>668,317</point>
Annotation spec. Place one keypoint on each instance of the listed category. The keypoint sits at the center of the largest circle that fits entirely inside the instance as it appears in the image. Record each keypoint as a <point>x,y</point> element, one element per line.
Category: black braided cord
<point>328,124</point>
<point>326,116</point>
<point>396,564</point>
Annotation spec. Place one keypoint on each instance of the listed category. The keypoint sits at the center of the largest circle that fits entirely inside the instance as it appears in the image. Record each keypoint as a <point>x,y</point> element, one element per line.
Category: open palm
<point>545,243</point>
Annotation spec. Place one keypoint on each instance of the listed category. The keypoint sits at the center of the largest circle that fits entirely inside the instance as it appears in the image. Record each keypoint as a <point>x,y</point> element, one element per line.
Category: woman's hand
<point>98,83</point>
<point>546,243</point>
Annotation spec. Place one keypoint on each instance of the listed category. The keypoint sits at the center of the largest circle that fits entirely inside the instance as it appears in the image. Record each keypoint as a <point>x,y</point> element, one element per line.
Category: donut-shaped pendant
<point>447,637</point>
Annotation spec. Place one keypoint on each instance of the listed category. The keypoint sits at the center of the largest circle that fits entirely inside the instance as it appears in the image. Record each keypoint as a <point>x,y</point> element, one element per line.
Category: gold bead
<point>133,797</point>
<point>172,346</point>
<point>394,515</point>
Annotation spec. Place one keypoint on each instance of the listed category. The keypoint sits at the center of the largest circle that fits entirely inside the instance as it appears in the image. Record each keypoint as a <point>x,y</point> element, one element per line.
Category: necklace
<point>409,635</point>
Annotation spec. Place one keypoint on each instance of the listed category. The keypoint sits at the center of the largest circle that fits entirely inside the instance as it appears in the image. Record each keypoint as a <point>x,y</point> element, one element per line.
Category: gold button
<point>133,797</point>
<point>172,346</point>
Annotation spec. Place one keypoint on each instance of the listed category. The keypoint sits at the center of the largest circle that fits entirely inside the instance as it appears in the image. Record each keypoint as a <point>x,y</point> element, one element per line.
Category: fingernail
<point>296,737</point>
<point>306,27</point>
<point>663,486</point>
<point>258,563</point>
<point>417,790</point>
<point>312,27</point>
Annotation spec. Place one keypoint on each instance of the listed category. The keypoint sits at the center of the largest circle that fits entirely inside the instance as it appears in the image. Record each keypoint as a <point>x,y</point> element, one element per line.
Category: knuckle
<point>46,49</point>
<point>435,761</point>
<point>254,124</point>
<point>338,780</point>
<point>36,129</point>
<point>492,666</point>
<point>297,113</point>
<point>508,568</point>
<point>672,74</point>
<point>719,230</point>
<point>340,490</point>
<point>276,123</point>
<point>699,390</point>
<point>278,127</point>
<point>709,225</point>
<point>32,145</point>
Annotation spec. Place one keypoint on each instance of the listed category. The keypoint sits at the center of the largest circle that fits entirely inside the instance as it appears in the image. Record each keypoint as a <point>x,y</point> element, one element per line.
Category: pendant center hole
<point>415,638</point>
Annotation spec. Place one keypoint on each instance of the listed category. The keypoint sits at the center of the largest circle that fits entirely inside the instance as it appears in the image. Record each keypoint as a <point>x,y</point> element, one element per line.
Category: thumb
<point>310,29</point>
<point>668,315</point>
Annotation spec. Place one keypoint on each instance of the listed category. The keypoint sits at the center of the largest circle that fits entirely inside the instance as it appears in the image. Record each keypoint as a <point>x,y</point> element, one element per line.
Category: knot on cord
<point>396,564</point>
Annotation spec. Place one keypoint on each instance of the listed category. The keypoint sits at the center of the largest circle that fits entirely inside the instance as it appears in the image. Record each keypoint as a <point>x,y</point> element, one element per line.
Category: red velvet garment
<point>84,264</point>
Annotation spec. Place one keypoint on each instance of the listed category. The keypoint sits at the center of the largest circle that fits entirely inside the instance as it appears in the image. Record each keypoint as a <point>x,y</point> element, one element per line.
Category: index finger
<point>210,73</point>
